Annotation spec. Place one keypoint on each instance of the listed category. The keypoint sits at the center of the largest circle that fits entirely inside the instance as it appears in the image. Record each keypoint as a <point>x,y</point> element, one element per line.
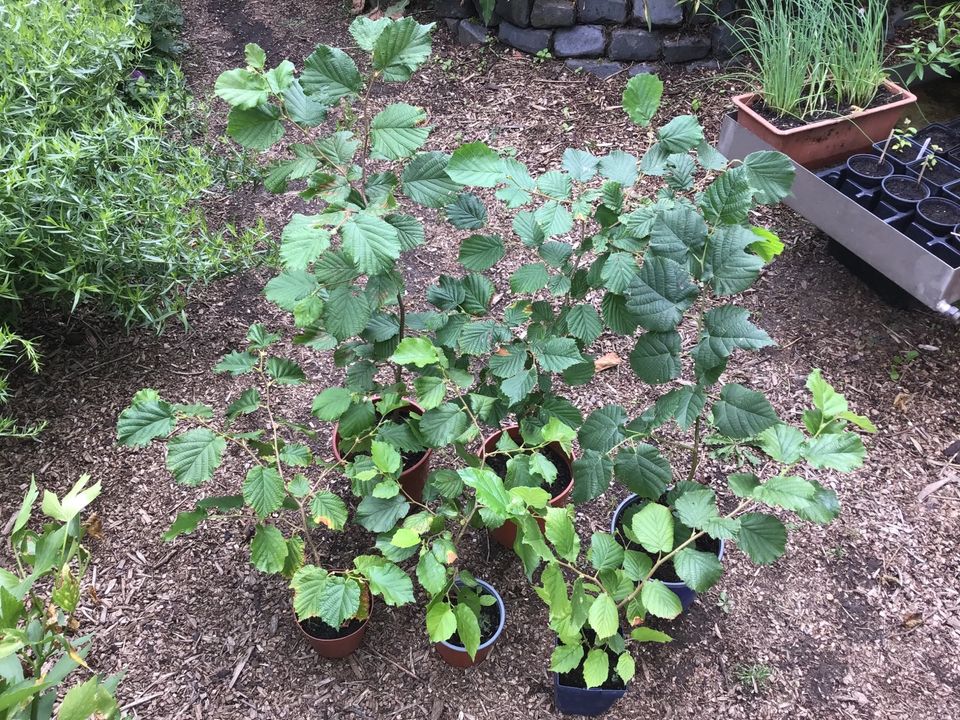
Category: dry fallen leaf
<point>936,485</point>
<point>356,7</point>
<point>94,527</point>
<point>610,360</point>
<point>912,620</point>
<point>901,401</point>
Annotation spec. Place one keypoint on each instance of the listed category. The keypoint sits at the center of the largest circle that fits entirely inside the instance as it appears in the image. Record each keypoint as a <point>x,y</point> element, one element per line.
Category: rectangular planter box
<point>908,265</point>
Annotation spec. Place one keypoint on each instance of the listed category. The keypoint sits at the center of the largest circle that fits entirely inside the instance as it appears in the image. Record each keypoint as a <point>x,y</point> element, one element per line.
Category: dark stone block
<point>698,65</point>
<point>686,48</point>
<point>708,15</point>
<point>471,33</point>
<point>643,68</point>
<point>601,68</point>
<point>526,39</point>
<point>553,13</point>
<point>515,12</point>
<point>579,41</point>
<point>663,13</point>
<point>633,44</point>
<point>602,11</point>
<point>451,24</point>
<point>453,8</point>
<point>725,43</point>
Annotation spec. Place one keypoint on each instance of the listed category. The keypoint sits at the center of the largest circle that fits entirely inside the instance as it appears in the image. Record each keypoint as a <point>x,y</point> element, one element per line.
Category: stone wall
<point>604,36</point>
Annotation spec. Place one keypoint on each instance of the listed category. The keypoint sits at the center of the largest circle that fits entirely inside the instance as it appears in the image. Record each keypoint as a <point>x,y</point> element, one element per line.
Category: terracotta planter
<point>456,655</point>
<point>827,142</point>
<point>337,647</point>
<point>506,534</point>
<point>413,478</point>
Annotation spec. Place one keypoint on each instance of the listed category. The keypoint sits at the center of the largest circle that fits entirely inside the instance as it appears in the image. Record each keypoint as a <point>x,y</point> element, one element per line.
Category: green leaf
<point>710,158</point>
<point>257,128</point>
<point>678,232</point>
<point>836,451</point>
<point>770,174</point>
<point>284,372</point>
<point>556,354</point>
<point>618,270</point>
<point>643,470</point>
<point>242,88</point>
<point>741,413</point>
<point>467,212</point>
<point>553,218</point>
<point>296,455</point>
<point>728,265</point>
<point>346,314</point>
<point>591,475</point>
<point>728,199</point>
<point>442,425</point>
<point>186,522</point>
<point>583,323</point>
<point>762,537</point>
<point>332,598</point>
<point>823,507</point>
<point>193,456</point>
<point>616,315</point>
<point>596,668</point>
<point>695,508</point>
<point>144,421</point>
<point>236,363</point>
<point>658,296</point>
<point>727,328</point>
<point>560,531</point>
<point>626,667</point>
<point>785,491</point>
<point>653,527</point>
<point>290,287</point>
<point>685,404</point>
<point>581,165</point>
<point>636,565</point>
<point>401,48</point>
<point>620,167</point>
<point>477,293</point>
<point>390,583</point>
<point>441,622</point>
<point>768,246</point>
<point>373,243</point>
<point>645,634</point>
<point>698,570</point>
<point>475,164</point>
<point>330,74</point>
<point>329,510</point>
<point>83,701</point>
<point>603,429</point>
<point>605,552</point>
<point>481,252</point>
<point>366,31</point>
<point>397,131</point>
<point>268,550</point>
<point>425,180</point>
<point>556,185</point>
<point>565,658</point>
<point>263,490</point>
<point>656,357</point>
<point>518,386</point>
<point>682,134</point>
<point>432,574</point>
<point>782,442</point>
<point>331,403</point>
<point>603,616</point>
<point>641,98</point>
<point>304,111</point>
<point>527,229</point>
<point>468,629</point>
<point>409,230</point>
<point>381,514</point>
<point>419,351</point>
<point>529,278</point>
<point>659,600</point>
<point>827,400</point>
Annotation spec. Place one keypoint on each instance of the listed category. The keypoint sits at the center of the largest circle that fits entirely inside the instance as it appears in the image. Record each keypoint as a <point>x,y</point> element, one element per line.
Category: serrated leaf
<point>263,490</point>
<point>467,212</point>
<point>643,470</point>
<point>603,616</point>
<point>346,313</point>
<point>553,218</point>
<point>518,386</point>
<point>727,328</point>
<point>329,510</point>
<point>596,668</point>
<point>618,270</point>
<point>556,185</point>
<point>603,429</point>
<point>680,135</point>
<point>257,128</point>
<point>331,598</point>
<point>605,552</point>
<point>762,537</point>
<point>419,351</point>
<point>288,288</point>
<point>284,372</point>
<point>770,174</point>
<point>659,600</point>
<point>268,549</point>
<point>699,571</point>
<point>581,165</point>
<point>565,658</point>
<point>468,629</point>
<point>658,296</point>
<point>695,508</point>
<point>782,442</point>
<point>836,451</point>
<point>372,242</point>
<point>475,164</point>
<point>193,456</point>
<point>186,522</point>
<point>583,323</point>
<point>677,233</point>
<point>728,199</point>
<point>144,421</point>
<point>366,30</point>
<point>381,514</point>
<point>646,634</point>
<point>556,354</point>
<point>653,527</point>
<point>656,357</point>
<point>242,88</point>
<point>441,622</point>
<point>529,278</point>
<point>331,403</point>
<point>401,48</point>
<point>481,252</point>
<point>398,131</point>
<point>425,180</point>
<point>641,98</point>
<point>442,425</point>
<point>330,74</point>
<point>728,265</point>
<point>591,475</point>
<point>742,413</point>
<point>620,167</point>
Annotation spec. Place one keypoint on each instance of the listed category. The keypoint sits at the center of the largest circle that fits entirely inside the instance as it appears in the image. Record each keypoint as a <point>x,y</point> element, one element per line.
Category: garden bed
<point>859,616</point>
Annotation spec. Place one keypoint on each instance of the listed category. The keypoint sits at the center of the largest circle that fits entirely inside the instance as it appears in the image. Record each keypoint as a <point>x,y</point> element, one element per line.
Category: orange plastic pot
<point>506,534</point>
<point>827,142</point>
<point>456,655</point>
<point>413,478</point>
<point>341,646</point>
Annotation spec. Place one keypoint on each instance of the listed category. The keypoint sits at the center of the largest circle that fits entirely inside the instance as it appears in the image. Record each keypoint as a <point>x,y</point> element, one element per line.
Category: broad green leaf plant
<point>39,596</point>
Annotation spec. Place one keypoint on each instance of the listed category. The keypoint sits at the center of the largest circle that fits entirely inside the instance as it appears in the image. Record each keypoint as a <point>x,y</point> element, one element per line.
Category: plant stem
<point>366,135</point>
<point>694,451</point>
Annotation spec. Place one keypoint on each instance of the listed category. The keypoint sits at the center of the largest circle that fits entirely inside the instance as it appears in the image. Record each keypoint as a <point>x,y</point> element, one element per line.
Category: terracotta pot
<point>413,478</point>
<point>506,534</point>
<point>456,655</point>
<point>341,646</point>
<point>827,142</point>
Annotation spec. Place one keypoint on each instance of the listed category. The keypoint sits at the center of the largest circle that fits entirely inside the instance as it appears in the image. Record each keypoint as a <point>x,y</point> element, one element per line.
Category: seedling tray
<point>884,248</point>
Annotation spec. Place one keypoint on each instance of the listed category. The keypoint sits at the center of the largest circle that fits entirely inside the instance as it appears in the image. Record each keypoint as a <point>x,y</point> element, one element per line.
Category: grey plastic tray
<point>923,275</point>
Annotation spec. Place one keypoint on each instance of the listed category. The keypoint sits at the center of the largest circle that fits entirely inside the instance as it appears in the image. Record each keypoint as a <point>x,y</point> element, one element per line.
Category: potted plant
<point>40,594</point>
<point>821,93</point>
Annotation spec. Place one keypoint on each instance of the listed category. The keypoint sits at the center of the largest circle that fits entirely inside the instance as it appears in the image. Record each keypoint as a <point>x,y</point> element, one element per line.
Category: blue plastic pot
<point>456,655</point>
<point>583,701</point>
<point>686,595</point>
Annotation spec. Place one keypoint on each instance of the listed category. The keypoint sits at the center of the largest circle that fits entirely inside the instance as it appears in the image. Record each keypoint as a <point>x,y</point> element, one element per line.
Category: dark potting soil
<point>870,166</point>
<point>315,627</point>
<point>944,138</point>
<point>940,174</point>
<point>498,463</point>
<point>905,189</point>
<point>574,678</point>
<point>666,573</point>
<point>942,211</point>
<point>832,112</point>
<point>489,622</point>
<point>906,154</point>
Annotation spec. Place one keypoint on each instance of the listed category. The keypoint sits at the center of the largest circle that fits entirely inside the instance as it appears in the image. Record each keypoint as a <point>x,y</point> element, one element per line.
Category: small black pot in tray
<point>859,179</point>
<point>935,221</point>
<point>940,135</point>
<point>900,158</point>
<point>952,191</point>
<point>936,176</point>
<point>900,193</point>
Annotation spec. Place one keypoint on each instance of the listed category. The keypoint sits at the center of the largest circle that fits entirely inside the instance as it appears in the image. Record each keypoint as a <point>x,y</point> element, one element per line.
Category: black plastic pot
<point>867,170</point>
<point>938,176</point>
<point>456,655</point>
<point>686,595</point>
<point>583,701</point>
<point>903,192</point>
<point>944,137</point>
<point>899,158</point>
<point>952,191</point>
<point>939,215</point>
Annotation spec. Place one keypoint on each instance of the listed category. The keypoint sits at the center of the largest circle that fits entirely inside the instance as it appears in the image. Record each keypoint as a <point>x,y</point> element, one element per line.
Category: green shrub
<point>98,201</point>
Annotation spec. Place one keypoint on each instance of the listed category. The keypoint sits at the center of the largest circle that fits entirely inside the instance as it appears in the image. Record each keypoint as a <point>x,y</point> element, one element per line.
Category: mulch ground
<point>858,620</point>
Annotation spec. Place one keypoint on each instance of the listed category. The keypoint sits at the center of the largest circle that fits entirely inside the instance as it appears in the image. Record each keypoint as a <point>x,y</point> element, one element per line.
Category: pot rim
<point>910,179</point>
<point>363,625</point>
<point>745,101</point>
<point>873,157</point>
<point>428,453</point>
<point>563,494</point>
<point>629,500</point>
<point>503,618</point>
<point>557,684</point>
